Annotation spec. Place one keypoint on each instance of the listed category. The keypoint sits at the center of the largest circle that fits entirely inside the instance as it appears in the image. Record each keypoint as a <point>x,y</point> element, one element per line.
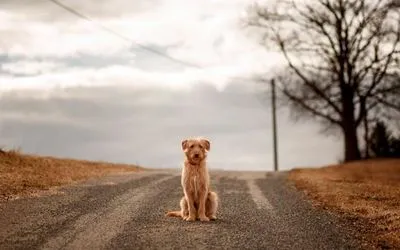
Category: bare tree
<point>342,58</point>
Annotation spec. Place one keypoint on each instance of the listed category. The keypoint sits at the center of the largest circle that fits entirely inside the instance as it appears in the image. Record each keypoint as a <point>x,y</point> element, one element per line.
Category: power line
<point>80,15</point>
<point>127,39</point>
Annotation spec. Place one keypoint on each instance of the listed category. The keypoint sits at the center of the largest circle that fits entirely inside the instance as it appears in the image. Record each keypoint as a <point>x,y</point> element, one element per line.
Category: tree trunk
<point>366,136</point>
<point>351,147</point>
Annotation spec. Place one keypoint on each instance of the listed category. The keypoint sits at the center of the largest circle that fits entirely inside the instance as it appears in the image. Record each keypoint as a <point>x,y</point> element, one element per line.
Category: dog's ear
<point>184,144</point>
<point>206,144</point>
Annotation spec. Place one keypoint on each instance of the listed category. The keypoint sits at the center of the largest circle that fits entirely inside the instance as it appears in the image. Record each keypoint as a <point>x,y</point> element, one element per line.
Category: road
<point>258,211</point>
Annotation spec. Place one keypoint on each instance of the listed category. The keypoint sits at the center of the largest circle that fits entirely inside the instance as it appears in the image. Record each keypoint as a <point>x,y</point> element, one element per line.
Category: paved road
<point>127,212</point>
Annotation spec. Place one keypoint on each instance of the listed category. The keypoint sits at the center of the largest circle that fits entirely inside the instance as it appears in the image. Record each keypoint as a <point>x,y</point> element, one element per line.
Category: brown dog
<point>198,200</point>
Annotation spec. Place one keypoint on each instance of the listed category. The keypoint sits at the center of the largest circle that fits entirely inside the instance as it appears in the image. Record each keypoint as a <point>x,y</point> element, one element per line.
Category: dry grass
<point>365,192</point>
<point>22,175</point>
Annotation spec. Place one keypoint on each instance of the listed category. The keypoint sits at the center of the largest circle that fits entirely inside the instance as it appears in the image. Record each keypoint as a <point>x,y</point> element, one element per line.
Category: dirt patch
<point>27,175</point>
<point>366,193</point>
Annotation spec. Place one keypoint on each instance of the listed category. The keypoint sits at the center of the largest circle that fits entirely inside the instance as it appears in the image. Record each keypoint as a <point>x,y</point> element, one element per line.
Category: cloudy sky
<point>69,88</point>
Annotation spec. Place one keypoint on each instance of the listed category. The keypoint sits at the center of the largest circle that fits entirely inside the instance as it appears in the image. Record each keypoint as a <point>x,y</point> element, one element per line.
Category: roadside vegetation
<point>365,193</point>
<point>24,175</point>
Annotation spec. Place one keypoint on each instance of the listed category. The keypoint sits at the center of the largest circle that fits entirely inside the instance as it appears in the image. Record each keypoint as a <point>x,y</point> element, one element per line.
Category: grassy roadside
<point>24,175</point>
<point>366,193</point>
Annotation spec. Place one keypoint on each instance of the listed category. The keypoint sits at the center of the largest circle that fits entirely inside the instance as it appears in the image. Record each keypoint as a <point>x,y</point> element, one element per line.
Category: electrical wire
<point>125,38</point>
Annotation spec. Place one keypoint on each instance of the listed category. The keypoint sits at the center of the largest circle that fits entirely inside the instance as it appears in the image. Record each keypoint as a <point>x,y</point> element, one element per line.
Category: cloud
<point>126,124</point>
<point>29,67</point>
<point>120,75</point>
<point>197,33</point>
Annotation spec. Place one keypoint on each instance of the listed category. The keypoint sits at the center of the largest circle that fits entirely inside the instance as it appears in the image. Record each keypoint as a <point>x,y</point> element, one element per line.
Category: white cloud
<point>117,75</point>
<point>38,39</point>
<point>30,67</point>
<point>206,33</point>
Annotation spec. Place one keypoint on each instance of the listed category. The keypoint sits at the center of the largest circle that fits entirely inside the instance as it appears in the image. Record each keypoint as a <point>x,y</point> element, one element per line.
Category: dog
<point>198,202</point>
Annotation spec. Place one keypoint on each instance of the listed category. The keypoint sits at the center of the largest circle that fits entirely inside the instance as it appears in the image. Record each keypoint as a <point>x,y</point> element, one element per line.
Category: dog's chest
<point>195,185</point>
<point>194,182</point>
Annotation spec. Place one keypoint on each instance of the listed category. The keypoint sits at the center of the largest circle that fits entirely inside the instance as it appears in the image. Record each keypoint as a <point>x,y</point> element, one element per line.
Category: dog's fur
<point>198,202</point>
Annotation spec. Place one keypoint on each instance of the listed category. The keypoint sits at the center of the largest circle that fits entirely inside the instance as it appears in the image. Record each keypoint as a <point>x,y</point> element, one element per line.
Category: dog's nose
<point>196,155</point>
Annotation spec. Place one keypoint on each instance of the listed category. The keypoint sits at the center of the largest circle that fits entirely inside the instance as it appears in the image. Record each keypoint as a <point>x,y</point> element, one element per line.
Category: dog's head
<point>196,149</point>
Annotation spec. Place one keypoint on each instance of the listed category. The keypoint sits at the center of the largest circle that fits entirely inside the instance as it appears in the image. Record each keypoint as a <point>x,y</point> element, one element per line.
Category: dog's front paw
<point>190,218</point>
<point>204,218</point>
<point>213,217</point>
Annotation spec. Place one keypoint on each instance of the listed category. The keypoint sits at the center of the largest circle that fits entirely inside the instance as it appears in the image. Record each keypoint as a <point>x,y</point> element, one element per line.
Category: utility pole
<point>274,132</point>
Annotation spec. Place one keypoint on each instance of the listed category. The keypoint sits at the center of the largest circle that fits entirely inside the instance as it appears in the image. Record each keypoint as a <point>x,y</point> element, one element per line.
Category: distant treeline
<point>383,144</point>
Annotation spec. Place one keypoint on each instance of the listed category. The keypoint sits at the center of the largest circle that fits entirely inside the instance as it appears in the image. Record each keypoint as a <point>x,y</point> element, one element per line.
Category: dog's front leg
<point>202,206</point>
<point>192,209</point>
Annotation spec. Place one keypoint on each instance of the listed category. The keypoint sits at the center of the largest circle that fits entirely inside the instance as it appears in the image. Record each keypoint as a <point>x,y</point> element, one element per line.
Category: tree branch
<point>309,83</point>
<point>315,112</point>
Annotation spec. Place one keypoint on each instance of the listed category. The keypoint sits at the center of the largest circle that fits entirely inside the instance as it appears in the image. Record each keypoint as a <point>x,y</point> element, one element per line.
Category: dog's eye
<point>191,146</point>
<point>200,146</point>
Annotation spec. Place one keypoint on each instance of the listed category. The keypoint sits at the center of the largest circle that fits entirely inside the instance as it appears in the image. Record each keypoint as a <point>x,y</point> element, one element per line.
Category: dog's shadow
<point>178,221</point>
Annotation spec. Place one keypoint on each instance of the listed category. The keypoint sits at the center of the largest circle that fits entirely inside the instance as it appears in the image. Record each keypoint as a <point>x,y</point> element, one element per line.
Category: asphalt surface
<point>257,211</point>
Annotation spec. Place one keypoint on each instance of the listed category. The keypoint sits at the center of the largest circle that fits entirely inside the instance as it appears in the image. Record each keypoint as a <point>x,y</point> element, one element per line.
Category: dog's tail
<point>174,214</point>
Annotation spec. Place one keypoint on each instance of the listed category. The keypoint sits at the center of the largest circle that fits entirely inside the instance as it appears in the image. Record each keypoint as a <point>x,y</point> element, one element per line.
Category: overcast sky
<point>71,89</point>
